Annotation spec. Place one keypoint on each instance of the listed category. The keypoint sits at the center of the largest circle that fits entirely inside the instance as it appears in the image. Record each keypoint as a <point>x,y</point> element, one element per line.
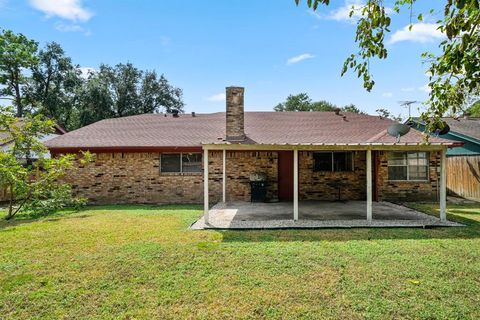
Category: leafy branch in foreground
<point>32,179</point>
<point>454,73</point>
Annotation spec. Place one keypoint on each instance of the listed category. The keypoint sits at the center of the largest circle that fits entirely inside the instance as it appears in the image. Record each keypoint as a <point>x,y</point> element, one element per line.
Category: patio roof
<point>295,208</point>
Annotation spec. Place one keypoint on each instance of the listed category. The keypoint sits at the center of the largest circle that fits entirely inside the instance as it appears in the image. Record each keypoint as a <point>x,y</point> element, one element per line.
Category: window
<point>323,161</point>
<point>333,161</point>
<point>408,166</point>
<point>181,162</point>
<point>170,162</point>
<point>191,162</point>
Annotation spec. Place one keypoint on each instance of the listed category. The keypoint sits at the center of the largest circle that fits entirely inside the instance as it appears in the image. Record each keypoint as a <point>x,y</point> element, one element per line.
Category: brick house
<point>160,158</point>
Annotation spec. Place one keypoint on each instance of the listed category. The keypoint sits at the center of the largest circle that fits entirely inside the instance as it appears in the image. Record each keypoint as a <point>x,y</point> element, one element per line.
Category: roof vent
<point>175,113</point>
<point>193,114</point>
<point>337,111</point>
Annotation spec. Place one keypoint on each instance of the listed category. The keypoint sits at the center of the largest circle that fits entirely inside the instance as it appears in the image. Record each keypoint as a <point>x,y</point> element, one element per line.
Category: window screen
<point>170,162</point>
<point>342,161</point>
<point>191,162</point>
<point>333,161</point>
<point>323,161</point>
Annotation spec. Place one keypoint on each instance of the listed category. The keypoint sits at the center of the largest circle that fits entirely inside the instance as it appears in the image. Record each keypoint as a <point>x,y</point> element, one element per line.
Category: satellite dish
<point>397,130</point>
<point>441,129</point>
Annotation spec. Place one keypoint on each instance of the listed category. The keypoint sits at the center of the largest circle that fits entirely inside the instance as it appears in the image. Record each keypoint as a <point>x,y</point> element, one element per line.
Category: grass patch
<point>134,262</point>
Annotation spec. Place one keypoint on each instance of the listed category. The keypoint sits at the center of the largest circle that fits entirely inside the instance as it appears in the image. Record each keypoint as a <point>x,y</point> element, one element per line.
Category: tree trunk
<point>10,213</point>
<point>18,98</point>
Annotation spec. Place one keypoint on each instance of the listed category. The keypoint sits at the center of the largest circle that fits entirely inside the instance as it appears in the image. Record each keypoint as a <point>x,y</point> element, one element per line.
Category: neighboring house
<point>158,158</point>
<point>463,163</point>
<point>6,143</point>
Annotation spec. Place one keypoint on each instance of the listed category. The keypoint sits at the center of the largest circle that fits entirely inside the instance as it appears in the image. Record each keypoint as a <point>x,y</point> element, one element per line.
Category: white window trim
<point>333,164</point>
<point>181,163</point>
<point>427,157</point>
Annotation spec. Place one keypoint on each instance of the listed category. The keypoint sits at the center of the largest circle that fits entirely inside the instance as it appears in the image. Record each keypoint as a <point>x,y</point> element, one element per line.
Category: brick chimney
<point>235,128</point>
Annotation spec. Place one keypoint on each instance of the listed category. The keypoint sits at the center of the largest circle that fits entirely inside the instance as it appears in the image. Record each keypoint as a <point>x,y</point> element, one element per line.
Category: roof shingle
<point>156,130</point>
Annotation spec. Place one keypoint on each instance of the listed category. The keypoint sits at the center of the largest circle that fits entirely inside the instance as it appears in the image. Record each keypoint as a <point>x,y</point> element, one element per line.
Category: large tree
<point>134,91</point>
<point>298,102</point>
<point>18,54</point>
<point>47,82</point>
<point>53,85</point>
<point>454,72</point>
<point>156,94</point>
<point>123,83</point>
<point>92,102</point>
<point>302,102</point>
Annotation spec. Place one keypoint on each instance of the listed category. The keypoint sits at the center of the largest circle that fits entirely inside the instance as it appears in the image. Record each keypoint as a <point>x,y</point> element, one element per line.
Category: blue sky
<point>271,47</point>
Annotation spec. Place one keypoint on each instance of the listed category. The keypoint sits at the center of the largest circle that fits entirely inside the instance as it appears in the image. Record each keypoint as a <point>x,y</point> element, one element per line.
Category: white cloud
<point>299,58</point>
<point>217,97</point>
<point>343,13</point>
<point>387,94</point>
<point>408,89</point>
<point>71,28</point>
<point>425,88</point>
<point>420,32</point>
<point>86,71</point>
<point>65,9</point>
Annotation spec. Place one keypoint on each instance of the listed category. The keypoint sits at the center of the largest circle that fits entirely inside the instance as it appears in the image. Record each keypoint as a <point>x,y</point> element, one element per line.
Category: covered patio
<point>314,214</point>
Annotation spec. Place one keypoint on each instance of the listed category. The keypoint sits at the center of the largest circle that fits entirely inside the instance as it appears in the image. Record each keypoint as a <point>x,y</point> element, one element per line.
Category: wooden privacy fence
<point>463,176</point>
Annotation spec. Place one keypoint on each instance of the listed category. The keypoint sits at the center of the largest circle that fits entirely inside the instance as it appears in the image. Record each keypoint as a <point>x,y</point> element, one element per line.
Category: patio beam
<point>205,185</point>
<point>369,185</point>
<point>321,147</point>
<point>295,184</point>
<point>443,186</point>
<point>224,177</point>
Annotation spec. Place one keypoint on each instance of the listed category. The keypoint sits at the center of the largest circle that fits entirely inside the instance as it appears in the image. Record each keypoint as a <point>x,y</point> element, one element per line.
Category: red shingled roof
<point>156,130</point>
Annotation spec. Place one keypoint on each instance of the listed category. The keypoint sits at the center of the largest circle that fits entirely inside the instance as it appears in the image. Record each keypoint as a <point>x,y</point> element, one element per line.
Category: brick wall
<point>239,167</point>
<point>133,178</point>
<point>136,178</point>
<point>399,191</point>
<point>316,185</point>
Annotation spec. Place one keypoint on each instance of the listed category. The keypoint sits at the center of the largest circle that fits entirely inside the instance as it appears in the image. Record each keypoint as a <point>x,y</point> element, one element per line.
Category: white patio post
<point>224,176</point>
<point>443,186</point>
<point>205,184</point>
<point>369,185</point>
<point>295,184</point>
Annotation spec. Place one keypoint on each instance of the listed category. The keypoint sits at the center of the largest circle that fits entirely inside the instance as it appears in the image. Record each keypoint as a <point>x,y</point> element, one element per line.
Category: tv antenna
<point>408,104</point>
<point>397,130</point>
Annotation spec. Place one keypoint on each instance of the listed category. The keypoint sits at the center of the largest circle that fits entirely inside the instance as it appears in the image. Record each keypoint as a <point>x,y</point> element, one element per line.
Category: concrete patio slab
<point>314,214</point>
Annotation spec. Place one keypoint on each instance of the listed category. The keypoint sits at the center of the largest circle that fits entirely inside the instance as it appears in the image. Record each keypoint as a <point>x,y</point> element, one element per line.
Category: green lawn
<point>141,262</point>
